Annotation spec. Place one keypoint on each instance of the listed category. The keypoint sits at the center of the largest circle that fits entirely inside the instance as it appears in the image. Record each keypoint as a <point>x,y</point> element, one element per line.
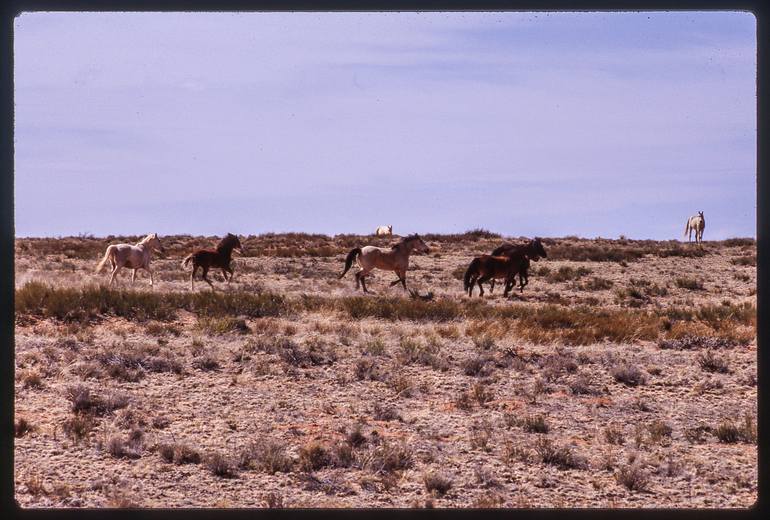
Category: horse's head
<point>418,244</point>
<point>230,242</point>
<point>390,229</point>
<point>153,241</point>
<point>700,214</point>
<point>537,249</point>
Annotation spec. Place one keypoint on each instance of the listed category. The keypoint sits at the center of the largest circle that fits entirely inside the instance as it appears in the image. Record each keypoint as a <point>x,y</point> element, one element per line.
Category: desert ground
<point>624,375</point>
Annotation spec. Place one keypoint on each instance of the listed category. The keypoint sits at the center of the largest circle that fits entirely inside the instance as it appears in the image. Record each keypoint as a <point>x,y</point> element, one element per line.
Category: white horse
<point>695,223</point>
<point>133,257</point>
<point>384,231</point>
<point>394,259</point>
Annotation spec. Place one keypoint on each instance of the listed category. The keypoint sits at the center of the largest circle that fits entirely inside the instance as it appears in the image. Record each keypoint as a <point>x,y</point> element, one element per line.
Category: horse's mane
<point>146,239</point>
<point>405,240</point>
<point>227,241</point>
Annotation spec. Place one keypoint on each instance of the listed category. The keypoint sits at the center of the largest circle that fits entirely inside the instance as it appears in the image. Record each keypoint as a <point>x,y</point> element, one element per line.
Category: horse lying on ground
<point>132,256</point>
<point>695,223</point>
<point>219,257</point>
<point>532,250</point>
<point>394,259</point>
<point>487,267</point>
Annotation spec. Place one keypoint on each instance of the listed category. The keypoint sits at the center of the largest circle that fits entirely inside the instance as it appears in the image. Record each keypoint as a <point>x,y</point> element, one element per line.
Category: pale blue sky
<point>549,124</point>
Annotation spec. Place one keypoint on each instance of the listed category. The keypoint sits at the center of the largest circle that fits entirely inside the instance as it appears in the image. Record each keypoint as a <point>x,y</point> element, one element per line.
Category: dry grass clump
<point>413,351</point>
<point>596,283</point>
<point>223,325</point>
<point>385,413</point>
<point>557,364</point>
<point>749,260</point>
<point>83,401</point>
<point>128,448</point>
<point>729,432</point>
<point>566,273</point>
<point>206,363</point>
<point>560,456</point>
<point>313,456</point>
<point>613,434</point>
<point>581,385</point>
<point>367,368</point>
<point>480,366</point>
<point>21,427</point>
<point>710,362</point>
<point>387,458</point>
<point>535,424</point>
<point>633,478</point>
<point>179,453</point>
<point>690,284</point>
<point>436,484</point>
<point>629,375</point>
<point>220,465</point>
<point>31,379</point>
<point>658,431</point>
<point>696,342</point>
<point>78,427</point>
<point>268,455</point>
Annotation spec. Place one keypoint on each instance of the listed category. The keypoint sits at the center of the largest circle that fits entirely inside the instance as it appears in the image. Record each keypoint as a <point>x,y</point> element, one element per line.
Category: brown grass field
<point>623,376</point>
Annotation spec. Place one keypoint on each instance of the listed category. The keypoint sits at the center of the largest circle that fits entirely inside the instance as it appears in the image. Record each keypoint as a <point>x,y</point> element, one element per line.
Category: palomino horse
<point>134,257</point>
<point>384,231</point>
<point>533,250</point>
<point>218,257</point>
<point>393,259</point>
<point>695,223</point>
<point>486,267</point>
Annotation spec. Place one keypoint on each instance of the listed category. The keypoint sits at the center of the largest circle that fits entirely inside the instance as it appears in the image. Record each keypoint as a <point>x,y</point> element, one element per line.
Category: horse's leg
<point>491,286</point>
<point>224,275</point>
<point>115,270</point>
<point>230,270</point>
<point>363,282</point>
<point>152,281</point>
<point>402,274</point>
<point>205,271</point>
<point>133,275</point>
<point>192,276</point>
<point>358,280</point>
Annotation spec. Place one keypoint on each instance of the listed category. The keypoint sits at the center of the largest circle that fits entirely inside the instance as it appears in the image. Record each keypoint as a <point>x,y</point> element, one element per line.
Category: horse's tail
<point>473,268</point>
<point>686,227</point>
<point>187,260</point>
<point>349,260</point>
<point>107,255</point>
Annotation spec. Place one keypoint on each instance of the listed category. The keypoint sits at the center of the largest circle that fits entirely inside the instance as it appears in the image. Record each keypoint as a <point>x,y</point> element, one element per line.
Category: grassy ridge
<point>544,324</point>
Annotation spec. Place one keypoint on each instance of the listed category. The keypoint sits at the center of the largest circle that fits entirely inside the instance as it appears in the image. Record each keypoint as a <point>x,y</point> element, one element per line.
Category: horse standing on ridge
<point>394,259</point>
<point>131,256</point>
<point>695,223</point>
<point>384,231</point>
<point>219,257</point>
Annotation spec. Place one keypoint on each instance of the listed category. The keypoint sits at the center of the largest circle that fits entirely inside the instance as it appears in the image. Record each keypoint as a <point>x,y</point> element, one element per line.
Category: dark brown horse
<point>488,267</point>
<point>533,250</point>
<point>219,257</point>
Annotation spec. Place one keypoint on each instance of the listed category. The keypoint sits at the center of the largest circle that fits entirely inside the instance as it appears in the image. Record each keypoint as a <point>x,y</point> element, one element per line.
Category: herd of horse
<point>505,262</point>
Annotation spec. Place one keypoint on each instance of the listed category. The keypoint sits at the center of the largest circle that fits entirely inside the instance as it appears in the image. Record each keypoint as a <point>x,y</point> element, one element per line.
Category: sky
<point>526,124</point>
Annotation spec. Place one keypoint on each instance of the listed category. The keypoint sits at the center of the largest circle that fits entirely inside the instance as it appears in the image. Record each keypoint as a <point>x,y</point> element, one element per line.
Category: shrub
<point>560,456</point>
<point>728,432</point>
<point>629,375</point>
<point>179,453</point>
<point>633,478</point>
<point>712,363</point>
<point>437,484</point>
<point>313,456</point>
<point>535,424</point>
<point>266,455</point>
<point>220,465</point>
<point>22,427</point>
<point>689,283</point>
